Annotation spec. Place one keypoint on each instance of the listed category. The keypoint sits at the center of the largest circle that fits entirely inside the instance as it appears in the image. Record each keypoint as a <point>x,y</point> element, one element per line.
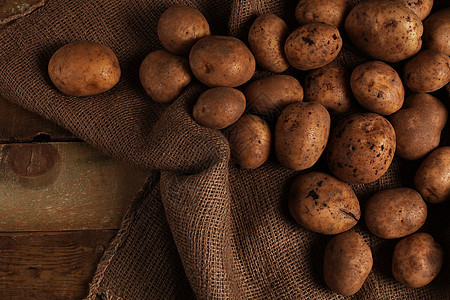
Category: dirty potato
<point>436,34</point>
<point>325,11</point>
<point>421,8</point>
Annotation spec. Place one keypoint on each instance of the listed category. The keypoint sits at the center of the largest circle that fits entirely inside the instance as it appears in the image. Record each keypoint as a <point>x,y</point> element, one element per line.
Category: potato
<point>312,46</point>
<point>250,141</point>
<point>84,69</point>
<point>436,33</point>
<point>347,263</point>
<point>164,75</point>
<point>219,107</point>
<point>324,204</point>
<point>329,86</point>
<point>361,148</point>
<point>301,134</point>
<point>266,39</point>
<point>385,30</point>
<point>377,87</point>
<point>432,179</point>
<point>418,125</point>
<point>417,260</point>
<point>221,61</point>
<point>180,26</point>
<point>325,11</point>
<point>427,72</point>
<point>269,95</point>
<point>395,213</point>
<point>421,8</point>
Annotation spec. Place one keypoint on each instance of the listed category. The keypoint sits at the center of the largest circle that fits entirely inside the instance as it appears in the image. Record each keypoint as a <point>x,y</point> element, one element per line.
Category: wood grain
<point>63,186</point>
<point>50,265</point>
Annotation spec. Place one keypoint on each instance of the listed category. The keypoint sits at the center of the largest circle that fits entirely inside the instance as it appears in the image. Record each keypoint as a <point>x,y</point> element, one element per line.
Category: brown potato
<point>329,85</point>
<point>250,141</point>
<point>325,11</point>
<point>417,260</point>
<point>395,213</point>
<point>180,26</point>
<point>269,95</point>
<point>418,125</point>
<point>347,263</point>
<point>312,46</point>
<point>324,204</point>
<point>164,75</point>
<point>301,134</point>
<point>84,69</point>
<point>432,179</point>
<point>427,72</point>
<point>221,61</point>
<point>437,31</point>
<point>421,8</point>
<point>385,30</point>
<point>361,148</point>
<point>219,107</point>
<point>266,39</point>
<point>377,87</point>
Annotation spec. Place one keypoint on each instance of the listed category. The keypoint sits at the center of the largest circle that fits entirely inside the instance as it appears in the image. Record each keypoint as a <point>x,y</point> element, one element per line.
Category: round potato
<point>432,179</point>
<point>329,85</point>
<point>266,39</point>
<point>219,107</point>
<point>385,30</point>
<point>421,8</point>
<point>361,148</point>
<point>347,263</point>
<point>436,33</point>
<point>418,125</point>
<point>250,141</point>
<point>395,213</point>
<point>377,87</point>
<point>312,46</point>
<point>324,204</point>
<point>180,26</point>
<point>221,61</point>
<point>427,72</point>
<point>417,260</point>
<point>269,95</point>
<point>325,11</point>
<point>164,75</point>
<point>301,134</point>
<point>84,69</point>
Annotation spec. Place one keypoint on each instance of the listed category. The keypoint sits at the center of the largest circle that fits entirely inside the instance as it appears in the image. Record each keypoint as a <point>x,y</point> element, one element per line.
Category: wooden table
<point>61,202</point>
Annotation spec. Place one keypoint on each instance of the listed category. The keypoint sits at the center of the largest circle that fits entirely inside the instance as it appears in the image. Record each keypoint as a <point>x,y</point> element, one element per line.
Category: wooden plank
<point>50,265</point>
<point>63,186</point>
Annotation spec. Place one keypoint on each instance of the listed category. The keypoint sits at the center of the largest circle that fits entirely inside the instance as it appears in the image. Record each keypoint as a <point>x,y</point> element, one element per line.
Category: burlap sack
<point>200,227</point>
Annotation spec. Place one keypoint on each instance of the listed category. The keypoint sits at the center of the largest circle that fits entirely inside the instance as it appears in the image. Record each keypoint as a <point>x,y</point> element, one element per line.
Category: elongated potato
<point>436,33</point>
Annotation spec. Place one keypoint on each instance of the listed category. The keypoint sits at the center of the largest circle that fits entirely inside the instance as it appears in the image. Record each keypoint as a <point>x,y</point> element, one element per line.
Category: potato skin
<point>347,263</point>
<point>421,8</point>
<point>377,87</point>
<point>312,46</point>
<point>437,31</point>
<point>418,125</point>
<point>330,12</point>
<point>180,26</point>
<point>219,107</point>
<point>221,61</point>
<point>329,86</point>
<point>385,30</point>
<point>432,179</point>
<point>269,95</point>
<point>427,72</point>
<point>395,213</point>
<point>361,148</point>
<point>164,75</point>
<point>84,69</point>
<point>266,39</point>
<point>301,134</point>
<point>250,141</point>
<point>324,204</point>
<point>417,260</point>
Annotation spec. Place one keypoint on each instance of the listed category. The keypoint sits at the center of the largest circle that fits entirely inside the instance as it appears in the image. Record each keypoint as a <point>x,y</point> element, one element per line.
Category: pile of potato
<point>358,149</point>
